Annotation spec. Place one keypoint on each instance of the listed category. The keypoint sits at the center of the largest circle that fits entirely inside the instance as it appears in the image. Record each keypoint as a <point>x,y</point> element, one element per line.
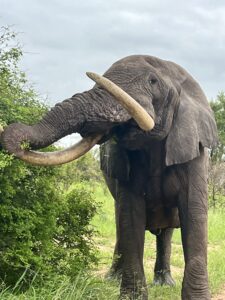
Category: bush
<point>28,213</point>
<point>42,229</point>
<point>74,231</point>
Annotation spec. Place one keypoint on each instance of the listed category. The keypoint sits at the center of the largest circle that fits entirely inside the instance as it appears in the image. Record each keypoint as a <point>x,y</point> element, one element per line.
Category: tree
<point>218,107</point>
<point>17,96</point>
<point>217,163</point>
<point>217,185</point>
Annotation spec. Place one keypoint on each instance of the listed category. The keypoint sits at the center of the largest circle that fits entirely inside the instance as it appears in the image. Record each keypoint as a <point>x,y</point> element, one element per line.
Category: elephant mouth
<point>136,111</point>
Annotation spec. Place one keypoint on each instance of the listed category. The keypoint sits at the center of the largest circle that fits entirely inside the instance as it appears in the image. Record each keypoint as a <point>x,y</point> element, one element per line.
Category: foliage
<point>17,97</point>
<point>217,164</point>
<point>217,185</point>
<point>74,231</point>
<point>218,107</point>
<point>43,229</point>
<point>29,206</point>
<point>86,168</point>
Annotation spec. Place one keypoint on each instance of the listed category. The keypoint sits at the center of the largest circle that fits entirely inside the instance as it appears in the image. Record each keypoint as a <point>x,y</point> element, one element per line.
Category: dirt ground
<point>220,296</point>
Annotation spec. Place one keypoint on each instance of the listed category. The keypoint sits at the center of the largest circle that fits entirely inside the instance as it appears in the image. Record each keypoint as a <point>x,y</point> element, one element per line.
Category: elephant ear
<point>193,126</point>
<point>114,161</point>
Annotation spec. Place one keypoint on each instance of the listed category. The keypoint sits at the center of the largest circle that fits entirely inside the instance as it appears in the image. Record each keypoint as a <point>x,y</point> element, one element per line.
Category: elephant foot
<point>110,275</point>
<point>113,274</point>
<point>133,287</point>
<point>163,277</point>
<point>189,295</point>
<point>140,294</point>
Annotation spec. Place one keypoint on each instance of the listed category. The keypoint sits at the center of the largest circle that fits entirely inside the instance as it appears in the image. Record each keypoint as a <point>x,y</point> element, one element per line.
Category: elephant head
<point>155,95</point>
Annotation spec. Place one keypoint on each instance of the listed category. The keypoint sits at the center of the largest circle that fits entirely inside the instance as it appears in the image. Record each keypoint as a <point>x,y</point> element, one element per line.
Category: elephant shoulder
<point>114,161</point>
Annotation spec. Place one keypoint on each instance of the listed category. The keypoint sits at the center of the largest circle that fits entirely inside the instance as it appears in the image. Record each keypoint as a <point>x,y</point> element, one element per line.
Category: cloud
<point>64,39</point>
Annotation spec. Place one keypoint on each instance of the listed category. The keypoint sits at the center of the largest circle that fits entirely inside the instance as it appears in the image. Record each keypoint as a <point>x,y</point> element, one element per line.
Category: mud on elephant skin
<point>153,157</point>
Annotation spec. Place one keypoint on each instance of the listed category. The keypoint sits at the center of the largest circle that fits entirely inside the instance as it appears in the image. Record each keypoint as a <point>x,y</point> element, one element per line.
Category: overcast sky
<point>65,38</point>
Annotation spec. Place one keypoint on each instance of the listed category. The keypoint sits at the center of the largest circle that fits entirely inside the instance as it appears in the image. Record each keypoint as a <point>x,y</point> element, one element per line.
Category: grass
<point>96,287</point>
<point>84,287</point>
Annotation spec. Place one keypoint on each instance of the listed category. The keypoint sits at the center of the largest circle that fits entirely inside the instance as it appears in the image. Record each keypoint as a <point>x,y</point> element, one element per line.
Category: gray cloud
<point>64,39</point>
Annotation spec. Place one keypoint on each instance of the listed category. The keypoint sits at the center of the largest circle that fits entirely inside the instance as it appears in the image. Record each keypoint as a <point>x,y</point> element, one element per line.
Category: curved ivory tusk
<point>143,119</point>
<point>59,157</point>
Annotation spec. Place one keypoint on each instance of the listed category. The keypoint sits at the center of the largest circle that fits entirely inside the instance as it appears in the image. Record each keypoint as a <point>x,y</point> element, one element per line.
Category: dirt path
<point>220,296</point>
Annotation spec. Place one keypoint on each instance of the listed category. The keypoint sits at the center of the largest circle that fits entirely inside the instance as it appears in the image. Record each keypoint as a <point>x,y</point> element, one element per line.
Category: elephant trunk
<point>77,114</point>
<point>65,118</point>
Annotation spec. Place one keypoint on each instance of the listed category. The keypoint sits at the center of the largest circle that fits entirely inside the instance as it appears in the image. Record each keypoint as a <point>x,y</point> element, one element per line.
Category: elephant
<point>155,127</point>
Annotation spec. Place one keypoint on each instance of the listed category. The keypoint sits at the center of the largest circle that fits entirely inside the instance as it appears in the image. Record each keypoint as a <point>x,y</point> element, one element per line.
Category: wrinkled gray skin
<point>153,175</point>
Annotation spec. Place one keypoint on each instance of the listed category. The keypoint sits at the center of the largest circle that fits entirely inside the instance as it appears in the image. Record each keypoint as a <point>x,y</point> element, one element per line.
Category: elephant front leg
<point>131,222</point>
<point>115,270</point>
<point>195,281</point>
<point>193,219</point>
<point>162,273</point>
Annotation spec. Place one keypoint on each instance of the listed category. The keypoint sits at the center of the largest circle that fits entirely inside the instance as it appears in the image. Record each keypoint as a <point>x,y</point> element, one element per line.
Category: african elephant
<point>154,158</point>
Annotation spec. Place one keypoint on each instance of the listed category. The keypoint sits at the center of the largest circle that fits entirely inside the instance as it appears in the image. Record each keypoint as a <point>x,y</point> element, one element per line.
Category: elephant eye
<point>153,81</point>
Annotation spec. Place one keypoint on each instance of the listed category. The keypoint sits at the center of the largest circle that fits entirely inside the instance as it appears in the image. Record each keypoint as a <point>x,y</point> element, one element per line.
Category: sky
<point>64,39</point>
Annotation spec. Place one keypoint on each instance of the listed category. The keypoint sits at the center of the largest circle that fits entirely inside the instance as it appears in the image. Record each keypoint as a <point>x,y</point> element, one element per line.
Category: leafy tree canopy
<point>18,101</point>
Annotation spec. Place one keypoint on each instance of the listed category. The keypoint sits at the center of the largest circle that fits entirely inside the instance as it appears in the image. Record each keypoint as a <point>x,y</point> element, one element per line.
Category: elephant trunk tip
<point>13,136</point>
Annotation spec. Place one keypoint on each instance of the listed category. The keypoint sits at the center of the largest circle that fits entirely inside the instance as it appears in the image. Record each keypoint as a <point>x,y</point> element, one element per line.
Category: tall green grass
<point>83,287</point>
<point>94,286</point>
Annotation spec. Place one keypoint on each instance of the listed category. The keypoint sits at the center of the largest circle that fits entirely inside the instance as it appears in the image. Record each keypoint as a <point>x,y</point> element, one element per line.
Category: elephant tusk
<point>143,119</point>
<point>58,157</point>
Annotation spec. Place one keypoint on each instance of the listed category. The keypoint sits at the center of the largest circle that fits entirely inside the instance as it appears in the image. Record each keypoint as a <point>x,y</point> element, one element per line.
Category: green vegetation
<point>217,164</point>
<point>18,101</point>
<point>218,107</point>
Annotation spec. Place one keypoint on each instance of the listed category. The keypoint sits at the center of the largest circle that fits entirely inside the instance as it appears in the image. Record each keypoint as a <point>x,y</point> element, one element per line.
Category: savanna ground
<point>96,287</point>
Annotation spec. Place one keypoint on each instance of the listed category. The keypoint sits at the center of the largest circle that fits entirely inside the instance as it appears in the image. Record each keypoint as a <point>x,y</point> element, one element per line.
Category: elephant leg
<point>162,274</point>
<point>192,206</point>
<point>115,271</point>
<point>131,222</point>
<point>130,215</point>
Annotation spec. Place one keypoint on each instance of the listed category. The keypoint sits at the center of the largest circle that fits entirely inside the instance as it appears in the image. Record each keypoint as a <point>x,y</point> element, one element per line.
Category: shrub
<point>74,231</point>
